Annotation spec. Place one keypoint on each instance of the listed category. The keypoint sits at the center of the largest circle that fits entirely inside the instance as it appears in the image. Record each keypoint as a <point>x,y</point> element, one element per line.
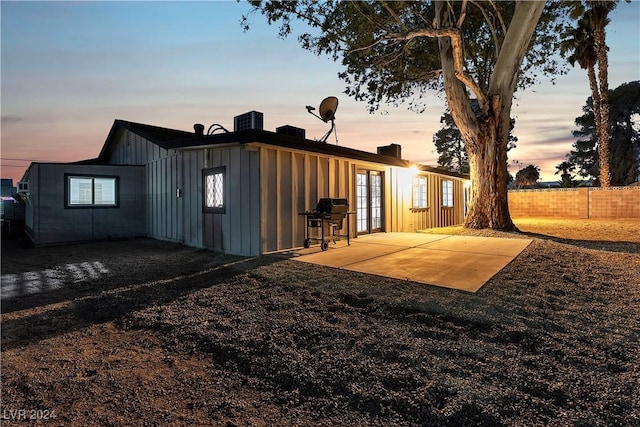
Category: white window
<point>89,191</point>
<point>420,192</point>
<point>104,191</point>
<point>447,193</point>
<point>214,193</point>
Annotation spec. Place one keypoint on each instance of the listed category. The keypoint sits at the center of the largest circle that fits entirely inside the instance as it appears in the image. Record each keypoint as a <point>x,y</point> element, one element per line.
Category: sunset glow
<point>70,68</point>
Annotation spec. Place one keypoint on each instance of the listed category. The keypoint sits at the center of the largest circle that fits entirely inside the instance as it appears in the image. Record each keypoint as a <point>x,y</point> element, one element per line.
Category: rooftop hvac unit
<point>23,187</point>
<point>291,131</point>
<point>250,120</point>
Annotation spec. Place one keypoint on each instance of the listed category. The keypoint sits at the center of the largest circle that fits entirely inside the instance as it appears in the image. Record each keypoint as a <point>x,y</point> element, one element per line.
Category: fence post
<point>583,203</point>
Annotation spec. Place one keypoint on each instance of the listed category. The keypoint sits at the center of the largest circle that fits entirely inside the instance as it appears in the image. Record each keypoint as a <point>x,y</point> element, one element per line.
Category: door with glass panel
<point>369,205</point>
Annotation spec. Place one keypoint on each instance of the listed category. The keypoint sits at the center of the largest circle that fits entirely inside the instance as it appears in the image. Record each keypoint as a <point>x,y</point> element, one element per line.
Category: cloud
<point>10,119</point>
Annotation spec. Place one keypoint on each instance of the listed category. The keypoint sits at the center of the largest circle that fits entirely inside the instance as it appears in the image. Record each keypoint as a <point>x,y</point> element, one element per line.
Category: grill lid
<point>332,205</point>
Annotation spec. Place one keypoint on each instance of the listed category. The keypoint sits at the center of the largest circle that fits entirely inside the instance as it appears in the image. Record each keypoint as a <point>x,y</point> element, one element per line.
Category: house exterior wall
<point>32,175</point>
<point>266,188</point>
<point>292,181</point>
<point>163,176</point>
<point>236,231</point>
<point>133,149</point>
<point>405,218</point>
<point>164,207</point>
<point>174,190</point>
<point>48,221</point>
<point>439,216</point>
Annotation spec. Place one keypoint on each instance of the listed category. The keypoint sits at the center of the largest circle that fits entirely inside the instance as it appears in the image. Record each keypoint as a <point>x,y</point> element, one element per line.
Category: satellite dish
<point>327,111</point>
<point>328,108</point>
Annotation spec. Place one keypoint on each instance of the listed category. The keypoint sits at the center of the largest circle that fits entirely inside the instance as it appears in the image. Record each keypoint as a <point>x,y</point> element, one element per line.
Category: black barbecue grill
<point>329,214</point>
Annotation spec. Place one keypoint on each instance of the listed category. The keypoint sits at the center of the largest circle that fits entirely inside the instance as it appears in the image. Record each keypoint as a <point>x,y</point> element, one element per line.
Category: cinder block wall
<point>616,202</point>
<point>603,203</point>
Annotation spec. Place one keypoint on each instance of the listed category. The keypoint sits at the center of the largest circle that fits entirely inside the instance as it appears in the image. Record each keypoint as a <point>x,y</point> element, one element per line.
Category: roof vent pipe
<point>198,128</point>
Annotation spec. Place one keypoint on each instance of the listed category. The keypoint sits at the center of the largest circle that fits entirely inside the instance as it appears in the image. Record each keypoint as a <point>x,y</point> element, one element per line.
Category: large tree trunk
<point>603,118</point>
<point>486,136</point>
<point>489,207</point>
<point>595,98</point>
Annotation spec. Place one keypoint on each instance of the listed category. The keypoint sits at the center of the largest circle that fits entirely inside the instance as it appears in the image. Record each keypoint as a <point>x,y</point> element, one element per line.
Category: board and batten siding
<point>292,182</point>
<point>236,231</point>
<point>49,221</point>
<point>164,176</point>
<point>133,149</point>
<point>404,217</point>
<point>266,187</point>
<point>164,207</point>
<point>398,198</point>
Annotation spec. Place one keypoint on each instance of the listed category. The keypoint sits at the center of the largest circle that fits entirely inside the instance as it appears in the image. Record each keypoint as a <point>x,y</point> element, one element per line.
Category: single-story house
<point>238,192</point>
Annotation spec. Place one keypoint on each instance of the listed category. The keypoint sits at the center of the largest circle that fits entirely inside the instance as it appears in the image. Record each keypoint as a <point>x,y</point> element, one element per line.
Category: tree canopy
<point>528,176</point>
<point>450,146</point>
<point>390,52</point>
<point>624,137</point>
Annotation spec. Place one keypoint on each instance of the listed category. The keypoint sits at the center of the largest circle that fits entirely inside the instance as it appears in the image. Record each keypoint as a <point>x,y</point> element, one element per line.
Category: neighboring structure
<point>6,187</point>
<point>237,192</point>
<point>11,211</point>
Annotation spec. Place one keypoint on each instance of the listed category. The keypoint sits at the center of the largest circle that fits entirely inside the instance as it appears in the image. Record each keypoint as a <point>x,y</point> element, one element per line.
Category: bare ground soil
<point>142,332</point>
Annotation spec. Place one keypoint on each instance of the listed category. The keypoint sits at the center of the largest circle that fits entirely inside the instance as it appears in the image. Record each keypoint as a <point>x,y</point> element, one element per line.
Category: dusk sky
<point>70,68</point>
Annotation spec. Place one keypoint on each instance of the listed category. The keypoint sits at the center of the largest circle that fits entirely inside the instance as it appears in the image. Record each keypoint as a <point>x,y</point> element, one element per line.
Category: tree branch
<point>362,12</point>
<point>517,38</point>
<point>394,15</point>
<point>463,14</point>
<point>499,15</point>
<point>492,28</point>
<point>456,42</point>
<point>358,49</point>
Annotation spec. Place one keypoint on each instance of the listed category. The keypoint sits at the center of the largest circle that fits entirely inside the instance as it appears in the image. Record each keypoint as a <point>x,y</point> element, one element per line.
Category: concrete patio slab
<point>458,262</point>
<point>436,267</point>
<point>341,255</point>
<point>400,239</point>
<point>480,245</point>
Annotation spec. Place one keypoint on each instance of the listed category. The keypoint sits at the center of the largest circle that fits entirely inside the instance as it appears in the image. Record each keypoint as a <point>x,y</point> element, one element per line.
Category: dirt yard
<point>141,332</point>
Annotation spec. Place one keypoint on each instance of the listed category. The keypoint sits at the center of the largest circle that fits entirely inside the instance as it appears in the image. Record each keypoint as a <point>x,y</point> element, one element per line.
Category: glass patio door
<point>369,204</point>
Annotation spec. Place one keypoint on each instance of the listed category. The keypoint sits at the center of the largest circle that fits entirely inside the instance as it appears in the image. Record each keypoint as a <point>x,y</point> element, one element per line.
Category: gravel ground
<point>141,332</point>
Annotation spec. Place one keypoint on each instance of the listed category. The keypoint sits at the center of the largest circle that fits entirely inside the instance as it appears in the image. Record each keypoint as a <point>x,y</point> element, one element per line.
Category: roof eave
<point>285,141</point>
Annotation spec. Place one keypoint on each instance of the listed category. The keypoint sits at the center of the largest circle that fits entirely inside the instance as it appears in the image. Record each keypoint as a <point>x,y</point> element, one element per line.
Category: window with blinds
<point>91,191</point>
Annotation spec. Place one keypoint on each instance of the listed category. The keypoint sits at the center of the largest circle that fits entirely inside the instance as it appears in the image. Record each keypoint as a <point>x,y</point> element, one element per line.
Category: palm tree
<point>566,178</point>
<point>580,42</point>
<point>587,42</point>
<point>598,18</point>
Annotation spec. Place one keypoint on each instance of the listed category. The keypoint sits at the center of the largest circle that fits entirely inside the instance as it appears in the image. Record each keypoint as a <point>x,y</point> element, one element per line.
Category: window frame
<point>447,193</point>
<point>222,170</point>
<point>417,190</point>
<point>67,191</point>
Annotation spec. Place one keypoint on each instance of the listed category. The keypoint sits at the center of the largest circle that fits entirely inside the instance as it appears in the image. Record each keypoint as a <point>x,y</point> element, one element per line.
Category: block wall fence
<point>589,202</point>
